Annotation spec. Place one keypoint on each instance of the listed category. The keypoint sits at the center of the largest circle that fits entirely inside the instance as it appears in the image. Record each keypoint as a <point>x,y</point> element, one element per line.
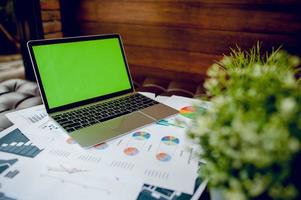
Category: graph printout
<point>13,141</point>
<point>6,164</point>
<point>152,192</point>
<point>69,181</point>
<point>4,197</point>
<point>27,116</point>
<point>155,155</point>
<point>186,106</point>
<point>159,154</point>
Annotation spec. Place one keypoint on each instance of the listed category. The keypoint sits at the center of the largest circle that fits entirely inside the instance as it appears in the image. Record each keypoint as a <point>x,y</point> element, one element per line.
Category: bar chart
<point>4,197</point>
<point>5,164</point>
<point>36,117</point>
<point>17,143</point>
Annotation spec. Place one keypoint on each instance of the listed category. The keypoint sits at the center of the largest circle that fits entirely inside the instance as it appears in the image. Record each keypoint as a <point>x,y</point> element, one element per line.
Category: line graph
<point>85,186</point>
<point>68,170</point>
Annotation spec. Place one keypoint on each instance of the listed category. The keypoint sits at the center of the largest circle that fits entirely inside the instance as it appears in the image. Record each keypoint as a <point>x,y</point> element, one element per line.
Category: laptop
<point>87,89</point>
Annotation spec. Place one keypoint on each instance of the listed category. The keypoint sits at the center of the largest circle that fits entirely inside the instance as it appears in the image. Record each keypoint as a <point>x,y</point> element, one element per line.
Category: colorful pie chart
<point>101,146</point>
<point>141,135</point>
<point>131,151</point>
<point>170,140</point>
<point>70,140</point>
<point>187,111</point>
<point>164,157</point>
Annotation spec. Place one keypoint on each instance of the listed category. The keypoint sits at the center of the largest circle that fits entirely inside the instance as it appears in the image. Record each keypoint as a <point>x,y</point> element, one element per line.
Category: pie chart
<point>141,135</point>
<point>70,140</point>
<point>131,151</point>
<point>187,111</point>
<point>164,157</point>
<point>170,140</point>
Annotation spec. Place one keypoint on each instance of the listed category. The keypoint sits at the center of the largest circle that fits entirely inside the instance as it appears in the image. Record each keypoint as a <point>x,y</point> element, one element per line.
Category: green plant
<point>251,135</point>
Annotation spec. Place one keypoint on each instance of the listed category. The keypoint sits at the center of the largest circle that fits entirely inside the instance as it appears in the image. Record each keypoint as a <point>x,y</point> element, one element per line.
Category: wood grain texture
<point>50,4</point>
<point>51,27</point>
<point>50,15</point>
<point>180,65</point>
<point>180,61</point>
<point>188,15</point>
<point>137,70</point>
<point>180,39</point>
<point>218,2</point>
<point>191,40</point>
<point>53,35</point>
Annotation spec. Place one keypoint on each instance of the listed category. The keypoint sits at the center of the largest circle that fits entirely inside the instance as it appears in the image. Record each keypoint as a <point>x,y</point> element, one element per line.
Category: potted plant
<point>250,137</point>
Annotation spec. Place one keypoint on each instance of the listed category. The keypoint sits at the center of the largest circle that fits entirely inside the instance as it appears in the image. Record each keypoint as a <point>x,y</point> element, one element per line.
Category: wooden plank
<point>248,2</point>
<point>88,9</point>
<point>50,15</point>
<point>285,5</point>
<point>143,71</point>
<point>178,61</point>
<point>50,4</point>
<point>185,14</point>
<point>51,27</point>
<point>53,35</point>
<point>168,64</point>
<point>191,40</point>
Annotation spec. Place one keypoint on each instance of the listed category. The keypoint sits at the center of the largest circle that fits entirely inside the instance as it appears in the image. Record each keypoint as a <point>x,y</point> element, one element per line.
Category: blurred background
<point>169,44</point>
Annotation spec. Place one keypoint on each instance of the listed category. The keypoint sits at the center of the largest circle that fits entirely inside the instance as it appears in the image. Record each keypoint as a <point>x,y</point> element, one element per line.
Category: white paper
<point>178,102</point>
<point>13,141</point>
<point>149,94</point>
<point>151,191</point>
<point>162,160</point>
<point>9,162</point>
<point>47,173</point>
<point>128,156</point>
<point>187,107</point>
<point>28,116</point>
<point>120,155</point>
<point>44,132</point>
<point>50,179</point>
<point>161,99</point>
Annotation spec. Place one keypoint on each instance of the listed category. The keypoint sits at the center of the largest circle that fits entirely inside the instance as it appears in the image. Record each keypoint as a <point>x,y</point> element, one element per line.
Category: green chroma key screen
<point>75,71</point>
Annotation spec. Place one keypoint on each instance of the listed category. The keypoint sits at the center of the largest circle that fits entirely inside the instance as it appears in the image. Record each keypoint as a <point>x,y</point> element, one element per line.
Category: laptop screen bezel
<point>32,43</point>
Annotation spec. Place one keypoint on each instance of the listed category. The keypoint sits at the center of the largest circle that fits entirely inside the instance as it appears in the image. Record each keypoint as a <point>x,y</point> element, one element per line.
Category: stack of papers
<point>40,161</point>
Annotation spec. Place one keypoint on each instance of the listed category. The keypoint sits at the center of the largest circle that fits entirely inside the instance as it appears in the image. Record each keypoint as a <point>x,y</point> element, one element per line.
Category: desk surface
<point>17,144</point>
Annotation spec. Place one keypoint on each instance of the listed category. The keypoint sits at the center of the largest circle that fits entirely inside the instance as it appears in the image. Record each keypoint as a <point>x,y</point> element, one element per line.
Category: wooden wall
<point>51,18</point>
<point>180,39</point>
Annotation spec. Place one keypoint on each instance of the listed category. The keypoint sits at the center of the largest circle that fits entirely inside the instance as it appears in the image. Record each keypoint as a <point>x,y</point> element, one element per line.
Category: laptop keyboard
<point>80,118</point>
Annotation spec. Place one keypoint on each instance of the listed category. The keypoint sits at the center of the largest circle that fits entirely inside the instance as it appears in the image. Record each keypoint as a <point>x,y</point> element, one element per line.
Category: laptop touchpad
<point>110,129</point>
<point>128,122</point>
